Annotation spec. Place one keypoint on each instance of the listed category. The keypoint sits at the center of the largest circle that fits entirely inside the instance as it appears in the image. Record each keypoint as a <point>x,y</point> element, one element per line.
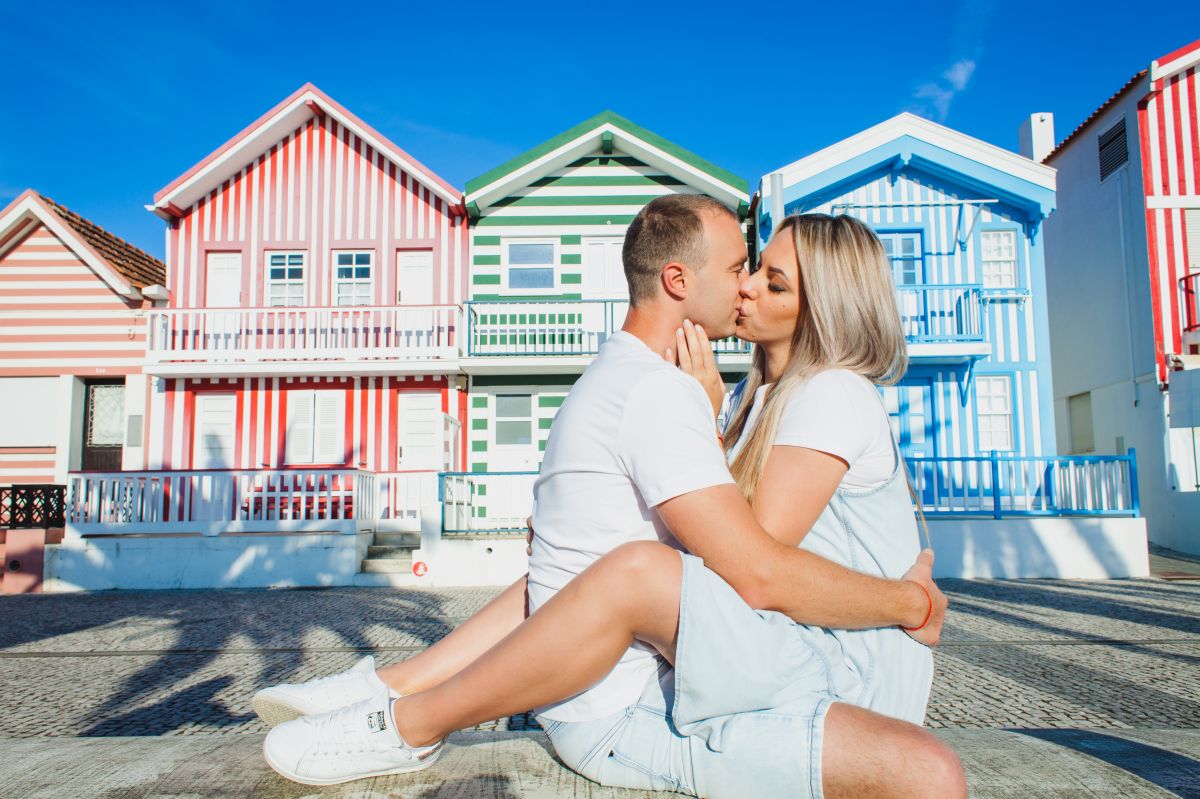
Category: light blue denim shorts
<point>742,714</point>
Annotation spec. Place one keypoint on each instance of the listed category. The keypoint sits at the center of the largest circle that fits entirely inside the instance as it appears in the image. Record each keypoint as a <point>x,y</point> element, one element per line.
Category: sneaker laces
<point>339,733</point>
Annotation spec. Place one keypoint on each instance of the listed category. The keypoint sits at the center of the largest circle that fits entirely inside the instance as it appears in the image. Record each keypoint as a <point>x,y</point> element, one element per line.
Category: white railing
<point>941,314</point>
<point>221,501</point>
<point>406,332</point>
<point>1001,486</point>
<point>552,327</point>
<point>402,496</point>
<point>485,502</point>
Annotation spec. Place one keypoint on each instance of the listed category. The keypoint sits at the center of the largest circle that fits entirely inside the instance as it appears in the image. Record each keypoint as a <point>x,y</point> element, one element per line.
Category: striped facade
<point>57,316</point>
<point>328,186</point>
<point>1168,122</point>
<point>576,195</point>
<point>19,465</point>
<point>1014,319</point>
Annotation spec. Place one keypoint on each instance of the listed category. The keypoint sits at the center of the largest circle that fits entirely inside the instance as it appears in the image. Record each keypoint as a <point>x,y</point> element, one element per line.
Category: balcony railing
<point>994,487</point>
<point>213,502</point>
<point>1001,486</point>
<point>932,314</point>
<point>1189,291</point>
<point>552,327</point>
<point>476,503</point>
<point>31,506</point>
<point>223,335</point>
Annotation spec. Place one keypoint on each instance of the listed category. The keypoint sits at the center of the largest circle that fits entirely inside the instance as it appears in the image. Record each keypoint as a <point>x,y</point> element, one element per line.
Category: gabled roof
<point>1173,63</point>
<point>909,139</point>
<point>604,130</point>
<point>122,266</point>
<point>1099,112</point>
<point>306,102</point>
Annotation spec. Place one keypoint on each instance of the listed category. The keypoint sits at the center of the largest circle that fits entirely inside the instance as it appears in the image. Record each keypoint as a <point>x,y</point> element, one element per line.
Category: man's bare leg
<point>869,755</point>
<point>462,646</point>
<point>570,644</point>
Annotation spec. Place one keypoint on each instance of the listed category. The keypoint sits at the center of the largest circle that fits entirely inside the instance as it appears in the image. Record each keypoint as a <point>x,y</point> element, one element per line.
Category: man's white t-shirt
<point>839,412</point>
<point>634,432</point>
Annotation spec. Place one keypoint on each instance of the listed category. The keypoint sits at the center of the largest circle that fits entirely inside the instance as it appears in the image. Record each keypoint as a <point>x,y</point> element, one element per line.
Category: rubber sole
<point>274,711</point>
<point>289,775</point>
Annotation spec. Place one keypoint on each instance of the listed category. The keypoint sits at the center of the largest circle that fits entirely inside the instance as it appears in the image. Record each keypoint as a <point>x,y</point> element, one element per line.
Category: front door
<point>222,289</point>
<point>213,442</point>
<point>603,279</point>
<point>904,252</point>
<point>104,418</point>
<point>513,445</point>
<point>419,441</point>
<point>910,410</point>
<point>414,286</point>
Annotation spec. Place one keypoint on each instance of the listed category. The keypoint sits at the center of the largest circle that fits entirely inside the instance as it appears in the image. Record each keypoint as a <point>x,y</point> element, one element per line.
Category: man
<point>633,456</point>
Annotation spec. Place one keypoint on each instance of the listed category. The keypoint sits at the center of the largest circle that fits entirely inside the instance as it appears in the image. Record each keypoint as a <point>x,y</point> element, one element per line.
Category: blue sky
<point>104,107</point>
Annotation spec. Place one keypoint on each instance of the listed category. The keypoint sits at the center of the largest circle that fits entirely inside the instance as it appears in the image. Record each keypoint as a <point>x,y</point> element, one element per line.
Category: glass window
<point>998,255</point>
<point>906,255</point>
<point>352,278</point>
<point>285,278</point>
<point>530,265</point>
<point>514,419</point>
<point>993,409</point>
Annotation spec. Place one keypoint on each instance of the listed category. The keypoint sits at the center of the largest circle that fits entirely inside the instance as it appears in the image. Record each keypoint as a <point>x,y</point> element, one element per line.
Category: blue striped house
<point>960,220</point>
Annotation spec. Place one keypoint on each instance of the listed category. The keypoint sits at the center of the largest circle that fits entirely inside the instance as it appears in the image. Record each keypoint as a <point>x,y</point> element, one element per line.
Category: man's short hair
<point>669,228</point>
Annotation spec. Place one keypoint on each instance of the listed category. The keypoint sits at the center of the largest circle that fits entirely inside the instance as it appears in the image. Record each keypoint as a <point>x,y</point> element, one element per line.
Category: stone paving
<point>1033,654</point>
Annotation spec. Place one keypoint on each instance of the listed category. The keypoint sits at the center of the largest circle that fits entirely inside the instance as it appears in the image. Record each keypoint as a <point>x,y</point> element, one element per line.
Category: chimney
<point>1037,136</point>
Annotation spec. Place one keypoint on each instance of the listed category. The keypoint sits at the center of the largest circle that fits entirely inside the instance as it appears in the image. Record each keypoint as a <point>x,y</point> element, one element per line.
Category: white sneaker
<point>288,701</point>
<point>352,743</point>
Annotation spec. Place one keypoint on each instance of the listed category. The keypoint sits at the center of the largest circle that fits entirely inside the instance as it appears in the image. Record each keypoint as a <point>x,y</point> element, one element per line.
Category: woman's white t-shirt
<point>838,412</point>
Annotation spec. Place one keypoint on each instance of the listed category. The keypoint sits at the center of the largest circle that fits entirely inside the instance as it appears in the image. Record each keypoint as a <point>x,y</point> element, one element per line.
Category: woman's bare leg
<point>462,646</point>
<point>570,644</point>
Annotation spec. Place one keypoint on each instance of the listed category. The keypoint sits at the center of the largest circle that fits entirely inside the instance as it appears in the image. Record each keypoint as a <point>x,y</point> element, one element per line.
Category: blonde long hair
<point>849,319</point>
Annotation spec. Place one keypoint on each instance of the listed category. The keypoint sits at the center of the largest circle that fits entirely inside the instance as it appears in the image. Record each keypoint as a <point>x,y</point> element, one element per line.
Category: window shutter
<point>300,427</point>
<point>1114,149</point>
<point>330,427</point>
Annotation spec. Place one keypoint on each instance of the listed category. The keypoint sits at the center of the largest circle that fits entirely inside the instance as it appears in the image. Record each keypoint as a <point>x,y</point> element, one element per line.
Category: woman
<point>810,445</point>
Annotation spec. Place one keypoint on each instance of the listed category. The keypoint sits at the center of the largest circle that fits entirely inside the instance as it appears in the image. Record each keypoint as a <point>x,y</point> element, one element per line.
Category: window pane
<point>345,272</point>
<point>531,253</point>
<point>277,260</point>
<point>514,433</point>
<point>362,258</point>
<point>518,406</point>
<point>531,278</point>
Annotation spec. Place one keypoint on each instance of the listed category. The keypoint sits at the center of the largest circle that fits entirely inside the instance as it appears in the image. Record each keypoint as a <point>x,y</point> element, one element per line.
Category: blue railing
<point>552,327</point>
<point>1000,486</point>
<point>996,486</point>
<point>492,503</point>
<point>941,313</point>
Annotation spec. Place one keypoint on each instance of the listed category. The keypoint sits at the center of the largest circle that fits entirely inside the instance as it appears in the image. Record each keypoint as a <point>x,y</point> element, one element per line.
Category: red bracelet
<point>928,613</point>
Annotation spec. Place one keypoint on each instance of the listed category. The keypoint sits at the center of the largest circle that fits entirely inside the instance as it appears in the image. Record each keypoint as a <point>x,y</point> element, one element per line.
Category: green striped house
<point>546,282</point>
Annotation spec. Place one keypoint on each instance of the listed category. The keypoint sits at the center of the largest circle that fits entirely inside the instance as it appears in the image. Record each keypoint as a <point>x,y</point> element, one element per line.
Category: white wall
<point>30,411</point>
<point>227,561</point>
<point>1066,548</point>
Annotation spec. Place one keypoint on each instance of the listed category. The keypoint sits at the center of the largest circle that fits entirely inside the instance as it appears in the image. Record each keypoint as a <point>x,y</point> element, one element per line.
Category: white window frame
<point>327,411</point>
<point>918,259</point>
<point>506,268</point>
<point>270,282</point>
<point>495,418</point>
<point>987,268</point>
<point>989,444</point>
<point>337,281</point>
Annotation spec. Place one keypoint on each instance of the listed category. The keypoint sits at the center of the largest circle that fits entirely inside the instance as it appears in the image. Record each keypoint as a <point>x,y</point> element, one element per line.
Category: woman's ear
<point>675,280</point>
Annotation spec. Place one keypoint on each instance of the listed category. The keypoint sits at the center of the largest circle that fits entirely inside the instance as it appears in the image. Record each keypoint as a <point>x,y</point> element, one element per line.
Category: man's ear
<point>675,280</point>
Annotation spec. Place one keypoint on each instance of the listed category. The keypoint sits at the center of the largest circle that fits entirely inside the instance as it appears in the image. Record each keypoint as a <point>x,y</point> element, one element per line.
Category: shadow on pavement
<point>1172,771</point>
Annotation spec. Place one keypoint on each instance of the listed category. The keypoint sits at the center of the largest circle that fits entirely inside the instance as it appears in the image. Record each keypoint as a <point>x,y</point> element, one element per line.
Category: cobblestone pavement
<point>1015,654</point>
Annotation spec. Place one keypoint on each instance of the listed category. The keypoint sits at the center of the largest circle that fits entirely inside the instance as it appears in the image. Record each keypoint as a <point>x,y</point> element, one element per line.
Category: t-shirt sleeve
<point>833,413</point>
<point>668,438</point>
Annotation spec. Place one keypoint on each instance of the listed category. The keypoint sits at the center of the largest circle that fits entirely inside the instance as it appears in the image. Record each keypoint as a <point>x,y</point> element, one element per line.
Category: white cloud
<point>933,99</point>
<point>960,73</point>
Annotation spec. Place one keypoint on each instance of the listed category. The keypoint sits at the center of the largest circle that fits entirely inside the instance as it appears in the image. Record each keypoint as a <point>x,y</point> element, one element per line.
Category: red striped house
<point>73,304</point>
<point>314,271</point>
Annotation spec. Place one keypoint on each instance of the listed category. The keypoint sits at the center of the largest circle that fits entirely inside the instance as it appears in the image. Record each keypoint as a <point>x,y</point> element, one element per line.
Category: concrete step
<point>386,565</point>
<point>376,552</point>
<point>1000,764</point>
<point>388,580</point>
<point>410,540</point>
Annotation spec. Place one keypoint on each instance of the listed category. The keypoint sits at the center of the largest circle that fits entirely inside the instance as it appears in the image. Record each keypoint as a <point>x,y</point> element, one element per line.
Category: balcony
<point>943,323</point>
<point>218,342</point>
<point>553,336</point>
